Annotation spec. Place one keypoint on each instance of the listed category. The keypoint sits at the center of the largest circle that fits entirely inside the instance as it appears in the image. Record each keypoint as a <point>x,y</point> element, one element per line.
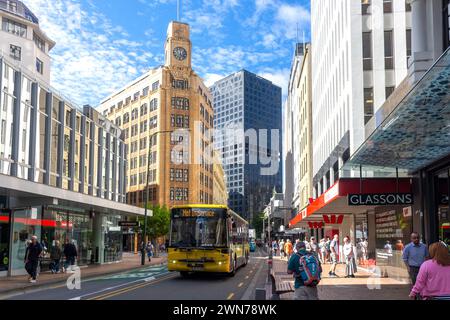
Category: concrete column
<point>82,153</point>
<point>16,134</point>
<point>325,182</point>
<point>34,139</point>
<point>419,23</point>
<point>60,157</point>
<point>71,173</point>
<point>48,136</point>
<point>332,176</point>
<point>99,238</point>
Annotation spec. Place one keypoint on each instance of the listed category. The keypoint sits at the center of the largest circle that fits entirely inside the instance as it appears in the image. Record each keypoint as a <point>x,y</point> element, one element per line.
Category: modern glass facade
<point>245,101</point>
<point>61,166</point>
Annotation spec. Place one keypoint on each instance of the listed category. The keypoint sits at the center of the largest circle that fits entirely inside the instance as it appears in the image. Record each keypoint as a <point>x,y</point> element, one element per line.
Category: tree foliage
<point>257,224</point>
<point>159,223</point>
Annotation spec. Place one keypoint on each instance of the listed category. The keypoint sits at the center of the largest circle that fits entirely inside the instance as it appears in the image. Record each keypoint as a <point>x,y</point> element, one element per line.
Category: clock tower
<point>178,47</point>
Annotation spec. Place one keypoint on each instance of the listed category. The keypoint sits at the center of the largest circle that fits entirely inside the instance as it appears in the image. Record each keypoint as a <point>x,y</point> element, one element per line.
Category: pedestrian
<point>288,248</point>
<point>70,252</point>
<point>32,255</point>
<point>350,262</point>
<point>313,247</point>
<point>364,245</point>
<point>399,246</point>
<point>323,250</point>
<point>274,247</point>
<point>149,250</point>
<point>295,267</point>
<point>433,280</point>
<point>328,249</point>
<point>282,252</point>
<point>334,248</point>
<point>414,254</point>
<point>55,257</point>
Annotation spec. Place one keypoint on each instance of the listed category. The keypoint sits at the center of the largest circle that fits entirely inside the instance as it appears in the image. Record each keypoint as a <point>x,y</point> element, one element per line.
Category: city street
<point>156,283</point>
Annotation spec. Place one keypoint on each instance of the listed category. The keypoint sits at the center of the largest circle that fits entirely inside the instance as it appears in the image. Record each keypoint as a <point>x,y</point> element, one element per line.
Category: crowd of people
<point>428,267</point>
<point>35,252</point>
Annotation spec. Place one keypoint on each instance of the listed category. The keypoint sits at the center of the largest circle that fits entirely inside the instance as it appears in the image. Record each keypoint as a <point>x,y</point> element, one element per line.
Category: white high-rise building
<point>360,56</point>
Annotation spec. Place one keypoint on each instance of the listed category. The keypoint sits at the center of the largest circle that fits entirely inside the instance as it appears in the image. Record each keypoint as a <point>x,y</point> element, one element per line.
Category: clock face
<point>180,53</point>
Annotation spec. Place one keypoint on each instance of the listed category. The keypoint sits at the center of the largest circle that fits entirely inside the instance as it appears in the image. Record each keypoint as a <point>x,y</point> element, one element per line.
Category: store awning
<point>335,199</point>
<point>412,129</point>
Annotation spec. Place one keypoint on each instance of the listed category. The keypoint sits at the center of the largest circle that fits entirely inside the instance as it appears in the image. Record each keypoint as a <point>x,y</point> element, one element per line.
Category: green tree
<point>158,224</point>
<point>257,224</point>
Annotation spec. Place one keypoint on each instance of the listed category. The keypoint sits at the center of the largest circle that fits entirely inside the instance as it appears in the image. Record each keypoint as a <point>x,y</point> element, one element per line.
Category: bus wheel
<point>184,274</point>
<point>234,267</point>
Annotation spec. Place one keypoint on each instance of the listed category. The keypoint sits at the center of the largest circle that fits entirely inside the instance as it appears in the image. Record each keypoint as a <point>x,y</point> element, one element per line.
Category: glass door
<point>4,239</point>
<point>442,187</point>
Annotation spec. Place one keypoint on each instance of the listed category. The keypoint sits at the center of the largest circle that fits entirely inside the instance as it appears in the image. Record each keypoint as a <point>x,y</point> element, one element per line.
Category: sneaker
<point>32,281</point>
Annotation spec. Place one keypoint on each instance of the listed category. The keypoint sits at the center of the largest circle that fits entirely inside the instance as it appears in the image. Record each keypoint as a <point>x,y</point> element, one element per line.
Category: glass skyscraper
<point>247,108</point>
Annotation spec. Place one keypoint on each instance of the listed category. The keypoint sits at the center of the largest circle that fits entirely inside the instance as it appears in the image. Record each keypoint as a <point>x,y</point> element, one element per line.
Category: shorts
<point>306,293</point>
<point>333,257</point>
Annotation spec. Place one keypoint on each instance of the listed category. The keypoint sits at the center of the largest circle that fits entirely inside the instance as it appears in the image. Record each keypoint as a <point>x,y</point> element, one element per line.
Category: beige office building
<point>298,186</point>
<point>168,110</point>
<point>220,193</point>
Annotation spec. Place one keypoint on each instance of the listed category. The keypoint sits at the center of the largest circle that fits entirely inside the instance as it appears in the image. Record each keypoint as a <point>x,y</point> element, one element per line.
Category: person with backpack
<point>307,270</point>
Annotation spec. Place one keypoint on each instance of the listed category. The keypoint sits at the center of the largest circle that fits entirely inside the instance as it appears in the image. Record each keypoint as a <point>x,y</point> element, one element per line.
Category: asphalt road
<point>156,283</point>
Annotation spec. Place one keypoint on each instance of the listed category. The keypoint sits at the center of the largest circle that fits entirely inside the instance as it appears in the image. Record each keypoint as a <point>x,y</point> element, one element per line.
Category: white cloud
<point>211,78</point>
<point>278,77</point>
<point>92,57</point>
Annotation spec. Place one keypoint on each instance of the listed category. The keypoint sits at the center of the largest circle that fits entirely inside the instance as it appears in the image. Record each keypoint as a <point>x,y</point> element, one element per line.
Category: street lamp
<point>149,155</point>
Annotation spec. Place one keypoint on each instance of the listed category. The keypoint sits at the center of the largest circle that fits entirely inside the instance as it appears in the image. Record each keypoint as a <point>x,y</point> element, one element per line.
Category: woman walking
<point>349,254</point>
<point>433,280</point>
<point>149,249</point>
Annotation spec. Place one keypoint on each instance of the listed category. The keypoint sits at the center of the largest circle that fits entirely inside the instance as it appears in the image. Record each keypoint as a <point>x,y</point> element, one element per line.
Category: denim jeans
<point>55,265</point>
<point>69,261</point>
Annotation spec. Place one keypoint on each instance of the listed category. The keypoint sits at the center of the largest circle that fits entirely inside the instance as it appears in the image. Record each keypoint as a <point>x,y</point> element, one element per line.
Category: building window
<point>389,91</point>
<point>14,27</point>
<point>367,51</point>
<point>155,86</point>
<point>366,7</point>
<point>408,44</point>
<point>387,6</point>
<point>446,23</point>
<point>180,84</point>
<point>368,104</point>
<point>145,91</point>
<point>154,104</point>
<point>39,42</point>
<point>389,50</point>
<point>39,66</point>
<point>15,52</point>
<point>126,118</point>
<point>407,6</point>
<point>180,103</point>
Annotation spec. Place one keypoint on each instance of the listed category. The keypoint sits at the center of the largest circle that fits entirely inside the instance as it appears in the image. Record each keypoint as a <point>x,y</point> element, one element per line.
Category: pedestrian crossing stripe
<point>147,273</point>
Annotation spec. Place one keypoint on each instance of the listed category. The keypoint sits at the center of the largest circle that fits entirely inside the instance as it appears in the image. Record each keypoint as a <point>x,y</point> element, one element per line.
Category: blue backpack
<point>309,270</point>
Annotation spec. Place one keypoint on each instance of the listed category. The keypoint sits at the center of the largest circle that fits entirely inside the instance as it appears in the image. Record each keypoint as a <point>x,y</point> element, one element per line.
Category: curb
<point>9,293</point>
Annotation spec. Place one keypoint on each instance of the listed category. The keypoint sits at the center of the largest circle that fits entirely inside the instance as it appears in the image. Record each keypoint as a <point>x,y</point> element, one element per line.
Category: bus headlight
<point>174,261</point>
<point>220,263</point>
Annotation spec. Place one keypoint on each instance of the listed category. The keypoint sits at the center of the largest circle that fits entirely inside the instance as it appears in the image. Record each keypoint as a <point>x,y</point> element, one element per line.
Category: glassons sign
<point>382,199</point>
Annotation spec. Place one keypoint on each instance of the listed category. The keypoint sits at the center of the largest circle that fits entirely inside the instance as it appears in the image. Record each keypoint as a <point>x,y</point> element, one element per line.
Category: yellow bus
<point>207,238</point>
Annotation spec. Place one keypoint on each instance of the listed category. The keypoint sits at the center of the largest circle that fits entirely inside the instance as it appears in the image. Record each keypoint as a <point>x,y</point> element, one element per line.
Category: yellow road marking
<point>125,290</point>
<point>240,284</point>
<point>230,296</point>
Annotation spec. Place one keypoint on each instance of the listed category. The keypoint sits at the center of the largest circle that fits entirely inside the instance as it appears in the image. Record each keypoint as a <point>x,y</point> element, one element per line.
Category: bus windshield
<point>198,228</point>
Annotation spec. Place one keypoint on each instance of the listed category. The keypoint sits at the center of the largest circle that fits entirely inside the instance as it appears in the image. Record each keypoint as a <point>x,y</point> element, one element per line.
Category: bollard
<point>260,294</point>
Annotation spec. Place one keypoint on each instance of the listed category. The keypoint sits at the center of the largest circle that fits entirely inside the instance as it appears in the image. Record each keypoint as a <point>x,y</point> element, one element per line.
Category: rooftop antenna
<point>178,10</point>
<point>304,45</point>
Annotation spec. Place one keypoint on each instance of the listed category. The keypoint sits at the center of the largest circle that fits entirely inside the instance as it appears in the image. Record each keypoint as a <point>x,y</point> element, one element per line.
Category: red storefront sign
<point>345,186</point>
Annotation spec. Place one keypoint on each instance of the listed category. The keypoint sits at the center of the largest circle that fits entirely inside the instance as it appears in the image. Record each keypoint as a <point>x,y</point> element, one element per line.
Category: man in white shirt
<point>334,247</point>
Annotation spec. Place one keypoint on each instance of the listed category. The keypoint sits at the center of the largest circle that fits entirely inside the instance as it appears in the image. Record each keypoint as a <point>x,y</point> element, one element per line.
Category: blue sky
<point>103,44</point>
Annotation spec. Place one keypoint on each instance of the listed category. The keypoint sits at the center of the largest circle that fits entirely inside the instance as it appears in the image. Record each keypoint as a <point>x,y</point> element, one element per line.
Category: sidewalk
<point>366,286</point>
<point>130,261</point>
